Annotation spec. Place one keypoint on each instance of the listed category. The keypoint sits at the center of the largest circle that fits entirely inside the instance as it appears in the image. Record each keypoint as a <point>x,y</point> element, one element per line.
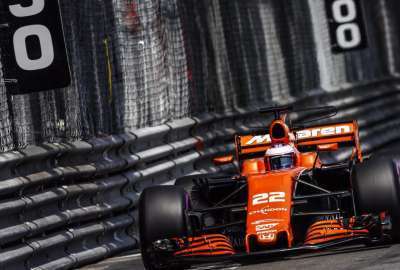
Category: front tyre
<point>162,215</point>
<point>376,186</point>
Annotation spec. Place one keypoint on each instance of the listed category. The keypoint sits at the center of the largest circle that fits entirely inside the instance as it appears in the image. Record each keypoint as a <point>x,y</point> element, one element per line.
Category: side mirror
<point>223,160</point>
<point>330,147</point>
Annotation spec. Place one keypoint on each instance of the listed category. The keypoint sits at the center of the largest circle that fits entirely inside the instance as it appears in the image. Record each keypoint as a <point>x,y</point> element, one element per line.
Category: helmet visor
<point>281,162</point>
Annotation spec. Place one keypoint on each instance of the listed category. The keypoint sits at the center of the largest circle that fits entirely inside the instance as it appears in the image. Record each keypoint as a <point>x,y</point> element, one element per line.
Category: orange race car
<point>282,200</point>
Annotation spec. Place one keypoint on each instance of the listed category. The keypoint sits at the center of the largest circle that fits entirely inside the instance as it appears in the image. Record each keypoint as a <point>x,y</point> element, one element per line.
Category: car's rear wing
<point>252,145</point>
<point>345,134</point>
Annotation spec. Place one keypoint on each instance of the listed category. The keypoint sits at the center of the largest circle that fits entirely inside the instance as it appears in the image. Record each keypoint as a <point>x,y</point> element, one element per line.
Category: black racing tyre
<point>376,186</point>
<point>162,215</point>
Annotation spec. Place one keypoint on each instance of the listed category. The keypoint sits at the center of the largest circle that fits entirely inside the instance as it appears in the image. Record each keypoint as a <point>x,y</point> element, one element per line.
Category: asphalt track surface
<point>344,258</point>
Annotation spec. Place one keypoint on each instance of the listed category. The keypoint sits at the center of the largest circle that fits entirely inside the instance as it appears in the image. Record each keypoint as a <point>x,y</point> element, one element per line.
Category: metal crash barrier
<point>71,204</point>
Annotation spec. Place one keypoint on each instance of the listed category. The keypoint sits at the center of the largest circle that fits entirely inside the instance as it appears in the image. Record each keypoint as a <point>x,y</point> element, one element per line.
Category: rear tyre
<point>162,215</point>
<point>376,186</point>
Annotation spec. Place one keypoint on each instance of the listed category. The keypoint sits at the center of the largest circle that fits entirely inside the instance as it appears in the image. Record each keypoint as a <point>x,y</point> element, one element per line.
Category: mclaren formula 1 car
<point>284,199</point>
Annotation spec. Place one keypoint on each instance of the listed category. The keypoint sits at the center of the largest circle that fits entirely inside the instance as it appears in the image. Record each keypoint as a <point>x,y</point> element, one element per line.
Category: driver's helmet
<point>280,157</point>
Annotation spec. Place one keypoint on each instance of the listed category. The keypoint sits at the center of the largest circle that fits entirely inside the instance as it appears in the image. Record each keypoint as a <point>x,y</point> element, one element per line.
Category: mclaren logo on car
<point>259,139</point>
<point>324,131</point>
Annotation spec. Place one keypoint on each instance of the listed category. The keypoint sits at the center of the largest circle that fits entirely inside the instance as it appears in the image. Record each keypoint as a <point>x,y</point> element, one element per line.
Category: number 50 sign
<point>346,25</point>
<point>36,55</point>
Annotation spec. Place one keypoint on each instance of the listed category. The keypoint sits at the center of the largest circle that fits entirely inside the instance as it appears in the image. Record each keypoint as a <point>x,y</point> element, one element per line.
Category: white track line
<point>131,256</point>
<point>215,267</point>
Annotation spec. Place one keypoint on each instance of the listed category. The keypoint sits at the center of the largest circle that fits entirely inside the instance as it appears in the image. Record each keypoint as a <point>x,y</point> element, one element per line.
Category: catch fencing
<point>70,204</point>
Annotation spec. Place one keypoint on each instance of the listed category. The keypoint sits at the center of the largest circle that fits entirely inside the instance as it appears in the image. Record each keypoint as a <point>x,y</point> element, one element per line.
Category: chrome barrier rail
<point>70,204</point>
